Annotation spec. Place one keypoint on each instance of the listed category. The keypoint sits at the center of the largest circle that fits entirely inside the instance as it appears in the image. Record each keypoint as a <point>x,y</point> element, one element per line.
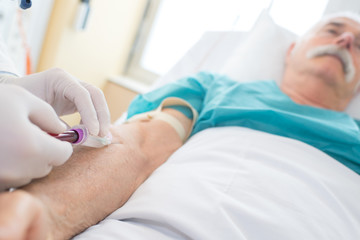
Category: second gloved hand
<point>67,95</point>
<point>27,151</point>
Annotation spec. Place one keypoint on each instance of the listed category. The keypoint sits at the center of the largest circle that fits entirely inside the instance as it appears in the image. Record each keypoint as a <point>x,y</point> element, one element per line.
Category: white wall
<point>343,5</point>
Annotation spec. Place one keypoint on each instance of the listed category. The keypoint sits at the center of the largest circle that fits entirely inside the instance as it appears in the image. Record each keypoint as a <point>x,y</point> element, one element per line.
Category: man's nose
<point>345,40</point>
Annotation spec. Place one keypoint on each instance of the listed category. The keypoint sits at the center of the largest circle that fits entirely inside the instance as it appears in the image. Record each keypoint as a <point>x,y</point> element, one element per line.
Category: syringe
<point>79,135</point>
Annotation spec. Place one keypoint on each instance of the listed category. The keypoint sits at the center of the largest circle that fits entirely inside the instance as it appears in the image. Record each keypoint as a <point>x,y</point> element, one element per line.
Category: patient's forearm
<point>95,182</point>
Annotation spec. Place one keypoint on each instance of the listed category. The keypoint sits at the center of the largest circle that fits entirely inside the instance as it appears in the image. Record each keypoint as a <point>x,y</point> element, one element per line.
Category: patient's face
<point>331,52</point>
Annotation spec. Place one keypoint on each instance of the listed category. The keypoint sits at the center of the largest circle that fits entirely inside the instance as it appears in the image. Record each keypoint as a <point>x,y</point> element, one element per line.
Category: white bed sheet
<point>238,183</point>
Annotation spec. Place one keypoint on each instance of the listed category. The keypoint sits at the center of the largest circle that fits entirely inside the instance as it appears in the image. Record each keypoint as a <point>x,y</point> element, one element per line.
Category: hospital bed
<point>238,183</point>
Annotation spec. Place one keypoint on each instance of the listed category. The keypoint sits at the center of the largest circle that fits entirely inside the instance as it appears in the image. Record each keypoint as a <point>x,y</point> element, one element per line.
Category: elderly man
<point>321,77</point>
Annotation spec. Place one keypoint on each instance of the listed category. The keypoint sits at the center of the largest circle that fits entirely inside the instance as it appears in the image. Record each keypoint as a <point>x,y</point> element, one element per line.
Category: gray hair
<point>347,14</point>
<point>326,18</point>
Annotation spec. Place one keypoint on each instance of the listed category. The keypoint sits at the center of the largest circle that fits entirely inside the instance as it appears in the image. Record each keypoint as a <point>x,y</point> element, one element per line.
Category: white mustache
<point>341,53</point>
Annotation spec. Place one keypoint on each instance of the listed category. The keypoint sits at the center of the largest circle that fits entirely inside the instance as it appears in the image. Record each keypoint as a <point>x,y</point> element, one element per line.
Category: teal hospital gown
<point>262,106</point>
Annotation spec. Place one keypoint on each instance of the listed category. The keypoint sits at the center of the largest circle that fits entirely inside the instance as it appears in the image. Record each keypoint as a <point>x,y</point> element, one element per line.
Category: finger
<point>80,96</point>
<point>52,152</point>
<point>101,107</point>
<point>44,116</point>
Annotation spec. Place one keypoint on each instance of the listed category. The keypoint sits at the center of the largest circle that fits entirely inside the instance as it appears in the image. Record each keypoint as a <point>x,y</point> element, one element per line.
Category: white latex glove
<point>67,95</point>
<point>26,150</point>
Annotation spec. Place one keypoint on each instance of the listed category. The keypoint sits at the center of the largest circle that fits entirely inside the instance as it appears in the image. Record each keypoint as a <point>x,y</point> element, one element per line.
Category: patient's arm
<point>95,182</point>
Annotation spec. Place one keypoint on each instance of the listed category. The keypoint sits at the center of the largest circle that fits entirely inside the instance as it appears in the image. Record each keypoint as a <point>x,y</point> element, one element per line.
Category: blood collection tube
<point>68,136</point>
<point>76,135</point>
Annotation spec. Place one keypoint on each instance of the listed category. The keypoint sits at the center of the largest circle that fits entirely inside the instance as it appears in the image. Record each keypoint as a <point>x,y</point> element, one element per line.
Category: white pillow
<point>262,57</point>
<point>262,54</point>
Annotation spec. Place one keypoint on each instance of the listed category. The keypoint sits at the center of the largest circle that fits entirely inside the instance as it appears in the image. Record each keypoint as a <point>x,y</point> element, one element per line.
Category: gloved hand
<point>68,95</point>
<point>26,150</point>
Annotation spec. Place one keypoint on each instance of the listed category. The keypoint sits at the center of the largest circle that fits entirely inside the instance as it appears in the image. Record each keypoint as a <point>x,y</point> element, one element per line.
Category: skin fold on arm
<point>95,182</point>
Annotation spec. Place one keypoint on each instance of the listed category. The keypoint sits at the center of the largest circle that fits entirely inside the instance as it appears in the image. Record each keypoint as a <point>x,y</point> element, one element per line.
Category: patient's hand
<point>22,217</point>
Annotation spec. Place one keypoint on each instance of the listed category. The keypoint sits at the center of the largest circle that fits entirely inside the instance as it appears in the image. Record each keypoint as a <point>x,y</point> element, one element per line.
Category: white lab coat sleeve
<point>7,66</point>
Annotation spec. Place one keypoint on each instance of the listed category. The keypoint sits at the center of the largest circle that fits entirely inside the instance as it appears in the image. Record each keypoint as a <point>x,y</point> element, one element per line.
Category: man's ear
<point>357,88</point>
<point>289,51</point>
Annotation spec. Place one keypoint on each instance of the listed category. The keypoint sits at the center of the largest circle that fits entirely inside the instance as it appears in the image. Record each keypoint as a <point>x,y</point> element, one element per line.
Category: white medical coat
<point>6,64</point>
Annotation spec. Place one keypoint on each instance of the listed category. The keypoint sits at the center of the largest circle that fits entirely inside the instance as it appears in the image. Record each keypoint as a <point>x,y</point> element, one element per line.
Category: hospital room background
<point>125,46</point>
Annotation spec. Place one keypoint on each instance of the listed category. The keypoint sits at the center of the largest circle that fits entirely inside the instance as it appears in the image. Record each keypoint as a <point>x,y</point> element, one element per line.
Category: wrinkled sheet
<point>237,183</point>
